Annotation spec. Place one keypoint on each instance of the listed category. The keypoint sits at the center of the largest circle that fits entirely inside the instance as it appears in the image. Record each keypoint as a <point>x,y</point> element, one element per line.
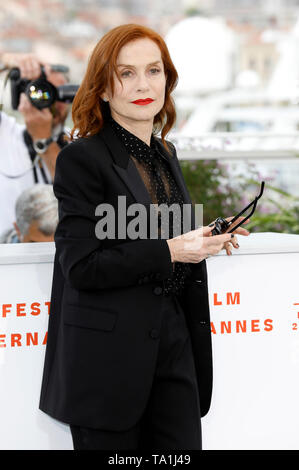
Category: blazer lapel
<point>125,167</point>
<point>176,171</point>
<point>127,171</point>
<point>189,216</point>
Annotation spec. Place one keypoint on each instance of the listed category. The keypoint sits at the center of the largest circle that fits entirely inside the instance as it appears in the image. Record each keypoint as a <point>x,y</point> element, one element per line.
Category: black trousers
<point>171,420</point>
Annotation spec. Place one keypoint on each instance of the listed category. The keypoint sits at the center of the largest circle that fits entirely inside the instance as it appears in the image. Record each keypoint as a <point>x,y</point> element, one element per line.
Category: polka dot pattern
<point>156,174</point>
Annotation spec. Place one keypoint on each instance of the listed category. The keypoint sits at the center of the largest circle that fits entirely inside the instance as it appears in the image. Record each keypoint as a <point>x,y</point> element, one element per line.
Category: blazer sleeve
<point>79,188</point>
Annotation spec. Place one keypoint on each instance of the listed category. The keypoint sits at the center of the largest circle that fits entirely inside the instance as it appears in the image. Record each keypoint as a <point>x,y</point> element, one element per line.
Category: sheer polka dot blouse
<point>157,177</point>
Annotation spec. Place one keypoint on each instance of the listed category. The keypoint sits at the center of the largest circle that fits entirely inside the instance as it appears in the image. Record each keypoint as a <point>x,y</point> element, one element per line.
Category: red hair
<point>89,111</point>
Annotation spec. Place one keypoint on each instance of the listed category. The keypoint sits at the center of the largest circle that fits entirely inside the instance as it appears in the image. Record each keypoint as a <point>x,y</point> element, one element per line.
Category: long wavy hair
<point>89,111</point>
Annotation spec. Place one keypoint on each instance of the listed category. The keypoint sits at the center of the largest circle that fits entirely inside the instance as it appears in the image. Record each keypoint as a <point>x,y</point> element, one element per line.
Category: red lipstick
<point>143,102</point>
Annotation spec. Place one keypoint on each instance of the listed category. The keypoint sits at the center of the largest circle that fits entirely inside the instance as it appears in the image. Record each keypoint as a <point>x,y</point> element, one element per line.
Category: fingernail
<point>211,225</point>
<point>237,245</point>
<point>232,235</point>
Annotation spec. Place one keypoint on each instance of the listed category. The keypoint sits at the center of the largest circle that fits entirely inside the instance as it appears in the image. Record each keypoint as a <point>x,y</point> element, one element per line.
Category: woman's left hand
<point>233,241</point>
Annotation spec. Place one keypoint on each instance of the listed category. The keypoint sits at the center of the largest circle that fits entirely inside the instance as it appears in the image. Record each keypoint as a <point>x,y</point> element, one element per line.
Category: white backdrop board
<point>25,279</point>
<point>254,299</point>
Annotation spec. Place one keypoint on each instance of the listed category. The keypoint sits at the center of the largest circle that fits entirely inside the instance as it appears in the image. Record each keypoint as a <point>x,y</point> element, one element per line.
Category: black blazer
<point>106,300</point>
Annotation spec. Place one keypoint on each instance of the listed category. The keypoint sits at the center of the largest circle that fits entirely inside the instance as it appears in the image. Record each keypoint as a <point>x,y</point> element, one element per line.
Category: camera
<point>41,93</point>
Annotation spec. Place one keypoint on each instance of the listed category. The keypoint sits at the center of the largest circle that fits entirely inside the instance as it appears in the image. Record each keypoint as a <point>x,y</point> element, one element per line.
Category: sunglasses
<point>222,225</point>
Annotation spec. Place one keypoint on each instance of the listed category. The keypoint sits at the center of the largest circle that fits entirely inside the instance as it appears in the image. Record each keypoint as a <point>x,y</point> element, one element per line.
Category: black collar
<point>126,169</point>
<point>118,150</point>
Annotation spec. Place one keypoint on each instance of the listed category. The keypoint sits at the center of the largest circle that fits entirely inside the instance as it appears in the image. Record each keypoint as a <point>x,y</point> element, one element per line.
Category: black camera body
<point>41,93</point>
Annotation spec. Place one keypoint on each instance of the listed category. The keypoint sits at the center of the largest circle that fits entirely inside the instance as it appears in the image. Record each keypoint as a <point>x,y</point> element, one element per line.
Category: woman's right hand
<point>196,245</point>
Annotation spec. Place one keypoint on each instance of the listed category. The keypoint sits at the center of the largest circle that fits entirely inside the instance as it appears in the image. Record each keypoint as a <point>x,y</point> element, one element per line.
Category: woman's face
<point>141,70</point>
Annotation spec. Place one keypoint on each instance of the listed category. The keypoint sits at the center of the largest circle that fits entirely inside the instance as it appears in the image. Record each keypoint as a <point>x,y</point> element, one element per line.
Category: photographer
<point>42,132</point>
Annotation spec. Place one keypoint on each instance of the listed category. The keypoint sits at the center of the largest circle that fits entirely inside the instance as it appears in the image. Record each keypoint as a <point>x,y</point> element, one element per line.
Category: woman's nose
<point>142,83</point>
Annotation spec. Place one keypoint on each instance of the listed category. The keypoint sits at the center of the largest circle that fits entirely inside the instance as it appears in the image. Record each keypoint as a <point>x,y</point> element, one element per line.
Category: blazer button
<point>158,290</point>
<point>154,333</point>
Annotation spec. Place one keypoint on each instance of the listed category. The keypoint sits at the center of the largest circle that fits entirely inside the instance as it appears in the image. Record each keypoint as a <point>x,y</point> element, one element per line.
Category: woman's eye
<point>126,73</point>
<point>154,71</point>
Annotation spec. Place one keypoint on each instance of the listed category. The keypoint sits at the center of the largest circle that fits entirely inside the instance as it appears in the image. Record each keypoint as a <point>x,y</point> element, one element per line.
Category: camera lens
<point>41,93</point>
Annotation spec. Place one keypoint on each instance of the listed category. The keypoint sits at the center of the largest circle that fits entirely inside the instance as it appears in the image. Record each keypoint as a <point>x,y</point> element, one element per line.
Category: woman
<point>129,350</point>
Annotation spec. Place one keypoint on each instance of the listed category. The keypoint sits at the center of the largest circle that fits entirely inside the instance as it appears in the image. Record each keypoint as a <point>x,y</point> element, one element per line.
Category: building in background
<point>67,30</point>
<point>237,59</point>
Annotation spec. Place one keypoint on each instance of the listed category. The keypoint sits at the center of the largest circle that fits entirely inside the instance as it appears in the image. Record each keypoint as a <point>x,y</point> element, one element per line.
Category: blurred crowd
<point>28,153</point>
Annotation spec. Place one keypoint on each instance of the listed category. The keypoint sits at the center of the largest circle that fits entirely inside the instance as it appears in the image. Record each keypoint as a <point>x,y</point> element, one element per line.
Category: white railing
<point>233,145</point>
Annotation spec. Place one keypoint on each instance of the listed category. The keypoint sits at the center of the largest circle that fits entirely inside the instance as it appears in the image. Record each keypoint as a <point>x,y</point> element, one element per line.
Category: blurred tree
<point>211,184</point>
